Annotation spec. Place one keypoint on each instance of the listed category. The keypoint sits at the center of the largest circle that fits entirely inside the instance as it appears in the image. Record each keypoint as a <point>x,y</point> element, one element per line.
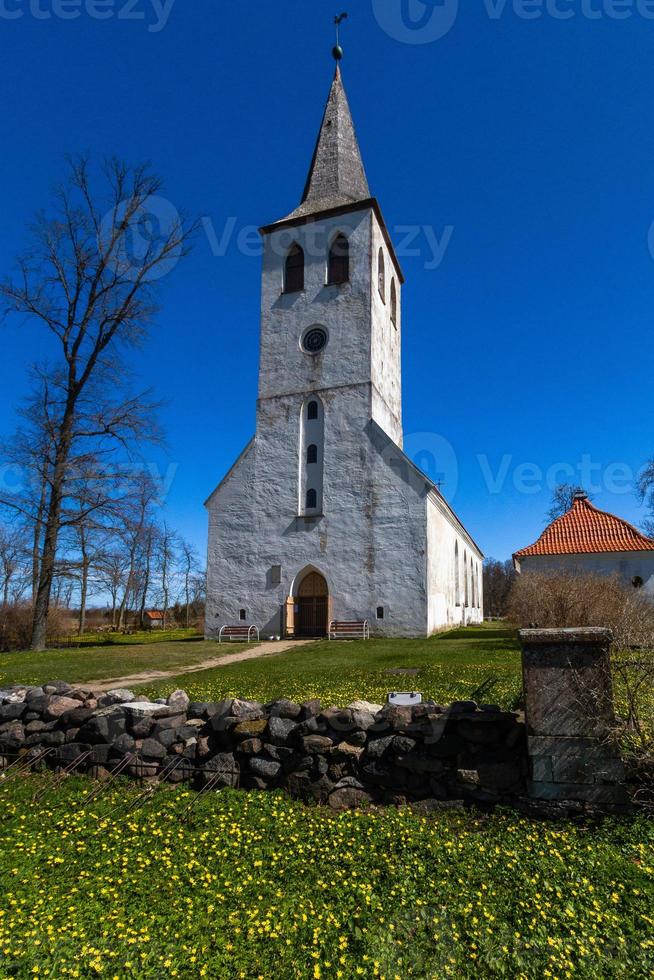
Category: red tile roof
<point>154,614</point>
<point>586,530</point>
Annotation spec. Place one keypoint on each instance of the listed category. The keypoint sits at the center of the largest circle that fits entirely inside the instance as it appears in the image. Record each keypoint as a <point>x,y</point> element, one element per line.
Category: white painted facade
<point>379,532</point>
<point>632,567</point>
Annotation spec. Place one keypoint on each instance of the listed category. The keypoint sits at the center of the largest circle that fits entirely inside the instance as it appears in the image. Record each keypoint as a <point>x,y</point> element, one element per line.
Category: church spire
<point>336,175</point>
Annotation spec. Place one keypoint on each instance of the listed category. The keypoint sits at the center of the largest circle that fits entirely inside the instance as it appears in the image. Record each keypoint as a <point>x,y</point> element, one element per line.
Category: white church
<point>323,517</point>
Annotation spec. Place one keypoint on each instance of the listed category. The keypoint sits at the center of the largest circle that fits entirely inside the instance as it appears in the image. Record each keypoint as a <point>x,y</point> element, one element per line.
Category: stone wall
<point>559,758</point>
<point>344,757</point>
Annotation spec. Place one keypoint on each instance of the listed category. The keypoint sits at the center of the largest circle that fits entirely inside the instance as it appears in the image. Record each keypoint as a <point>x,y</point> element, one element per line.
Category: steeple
<point>336,175</point>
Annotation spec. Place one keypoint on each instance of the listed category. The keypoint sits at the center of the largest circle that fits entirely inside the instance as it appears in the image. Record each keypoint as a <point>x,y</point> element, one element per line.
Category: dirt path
<point>265,649</point>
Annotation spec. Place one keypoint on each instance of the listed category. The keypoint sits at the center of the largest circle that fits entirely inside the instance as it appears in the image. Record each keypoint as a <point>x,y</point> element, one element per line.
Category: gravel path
<point>266,649</point>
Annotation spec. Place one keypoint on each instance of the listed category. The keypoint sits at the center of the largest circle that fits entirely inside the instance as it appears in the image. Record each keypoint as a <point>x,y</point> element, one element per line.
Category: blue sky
<point>524,144</point>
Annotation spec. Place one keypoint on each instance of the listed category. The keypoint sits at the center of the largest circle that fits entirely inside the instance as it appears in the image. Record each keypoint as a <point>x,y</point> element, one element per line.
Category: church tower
<point>331,296</point>
<point>323,516</point>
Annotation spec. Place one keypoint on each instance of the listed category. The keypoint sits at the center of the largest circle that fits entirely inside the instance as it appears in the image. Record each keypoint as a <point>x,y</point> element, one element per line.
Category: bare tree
<point>189,565</point>
<point>645,492</point>
<point>498,579</point>
<point>563,497</point>
<point>81,284</point>
<point>166,556</point>
<point>14,565</point>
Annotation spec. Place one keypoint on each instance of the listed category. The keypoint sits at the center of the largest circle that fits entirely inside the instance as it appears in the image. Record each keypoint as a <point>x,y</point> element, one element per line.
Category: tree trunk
<point>36,542</point>
<point>85,582</point>
<point>146,580</point>
<point>48,557</point>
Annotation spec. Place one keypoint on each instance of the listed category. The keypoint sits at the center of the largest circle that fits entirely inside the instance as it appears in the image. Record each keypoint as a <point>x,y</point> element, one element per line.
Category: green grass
<point>129,655</point>
<point>257,885</point>
<point>451,666</point>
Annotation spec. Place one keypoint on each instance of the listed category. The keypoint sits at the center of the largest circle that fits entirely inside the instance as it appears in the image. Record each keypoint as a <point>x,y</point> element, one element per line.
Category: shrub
<point>16,625</point>
<point>556,600</point>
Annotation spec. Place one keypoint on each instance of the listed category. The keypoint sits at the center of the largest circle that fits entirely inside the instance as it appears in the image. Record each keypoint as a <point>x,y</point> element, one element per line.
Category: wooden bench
<point>244,634</point>
<point>351,630</point>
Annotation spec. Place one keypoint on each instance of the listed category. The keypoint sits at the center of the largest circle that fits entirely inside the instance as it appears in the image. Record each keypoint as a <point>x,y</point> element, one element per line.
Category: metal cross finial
<point>338,50</point>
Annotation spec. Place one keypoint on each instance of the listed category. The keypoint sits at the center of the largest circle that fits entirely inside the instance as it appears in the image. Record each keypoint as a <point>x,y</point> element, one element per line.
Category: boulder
<point>315,744</point>
<point>224,768</point>
<point>121,695</point>
<point>178,700</point>
<point>152,749</point>
<point>250,728</point>
<point>265,768</point>
<point>378,747</point>
<point>164,724</point>
<point>246,709</point>
<point>251,746</point>
<point>366,706</point>
<point>284,709</point>
<point>57,706</point>
<point>348,750</point>
<point>280,729</point>
<point>348,798</point>
<point>11,710</point>
<point>56,687</point>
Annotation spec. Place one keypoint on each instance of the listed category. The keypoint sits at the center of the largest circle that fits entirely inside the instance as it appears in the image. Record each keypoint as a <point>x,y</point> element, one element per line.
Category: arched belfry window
<point>312,499</point>
<point>393,303</point>
<point>294,269</point>
<point>312,453</point>
<point>312,411</point>
<point>381,275</point>
<point>338,264</point>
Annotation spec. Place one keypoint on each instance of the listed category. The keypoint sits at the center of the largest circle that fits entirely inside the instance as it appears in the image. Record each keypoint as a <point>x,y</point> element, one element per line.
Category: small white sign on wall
<point>404,698</point>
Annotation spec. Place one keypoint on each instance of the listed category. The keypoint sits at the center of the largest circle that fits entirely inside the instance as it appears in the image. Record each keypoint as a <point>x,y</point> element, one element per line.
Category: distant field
<point>127,655</point>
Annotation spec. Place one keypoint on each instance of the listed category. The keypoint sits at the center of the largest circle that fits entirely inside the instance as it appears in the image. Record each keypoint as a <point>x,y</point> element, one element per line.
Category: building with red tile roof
<point>587,539</point>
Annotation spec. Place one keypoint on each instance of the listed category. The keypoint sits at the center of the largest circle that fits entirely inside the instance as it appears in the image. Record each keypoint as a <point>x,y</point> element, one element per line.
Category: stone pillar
<point>569,715</point>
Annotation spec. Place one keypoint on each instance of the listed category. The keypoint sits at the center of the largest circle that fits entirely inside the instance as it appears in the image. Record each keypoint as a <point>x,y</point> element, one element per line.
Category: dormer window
<point>393,303</point>
<point>381,275</point>
<point>294,270</point>
<point>338,264</point>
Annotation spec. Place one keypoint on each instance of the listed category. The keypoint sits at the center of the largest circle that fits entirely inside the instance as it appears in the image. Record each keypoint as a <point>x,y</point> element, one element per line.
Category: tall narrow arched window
<point>311,458</point>
<point>393,303</point>
<point>381,275</point>
<point>466,583</point>
<point>338,264</point>
<point>294,270</point>
<point>457,576</point>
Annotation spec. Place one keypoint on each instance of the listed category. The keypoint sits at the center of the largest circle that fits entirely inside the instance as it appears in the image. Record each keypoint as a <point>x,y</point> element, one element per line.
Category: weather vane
<point>338,50</point>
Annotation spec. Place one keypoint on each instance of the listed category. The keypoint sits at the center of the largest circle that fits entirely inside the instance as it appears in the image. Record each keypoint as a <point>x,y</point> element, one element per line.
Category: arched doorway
<point>311,605</point>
